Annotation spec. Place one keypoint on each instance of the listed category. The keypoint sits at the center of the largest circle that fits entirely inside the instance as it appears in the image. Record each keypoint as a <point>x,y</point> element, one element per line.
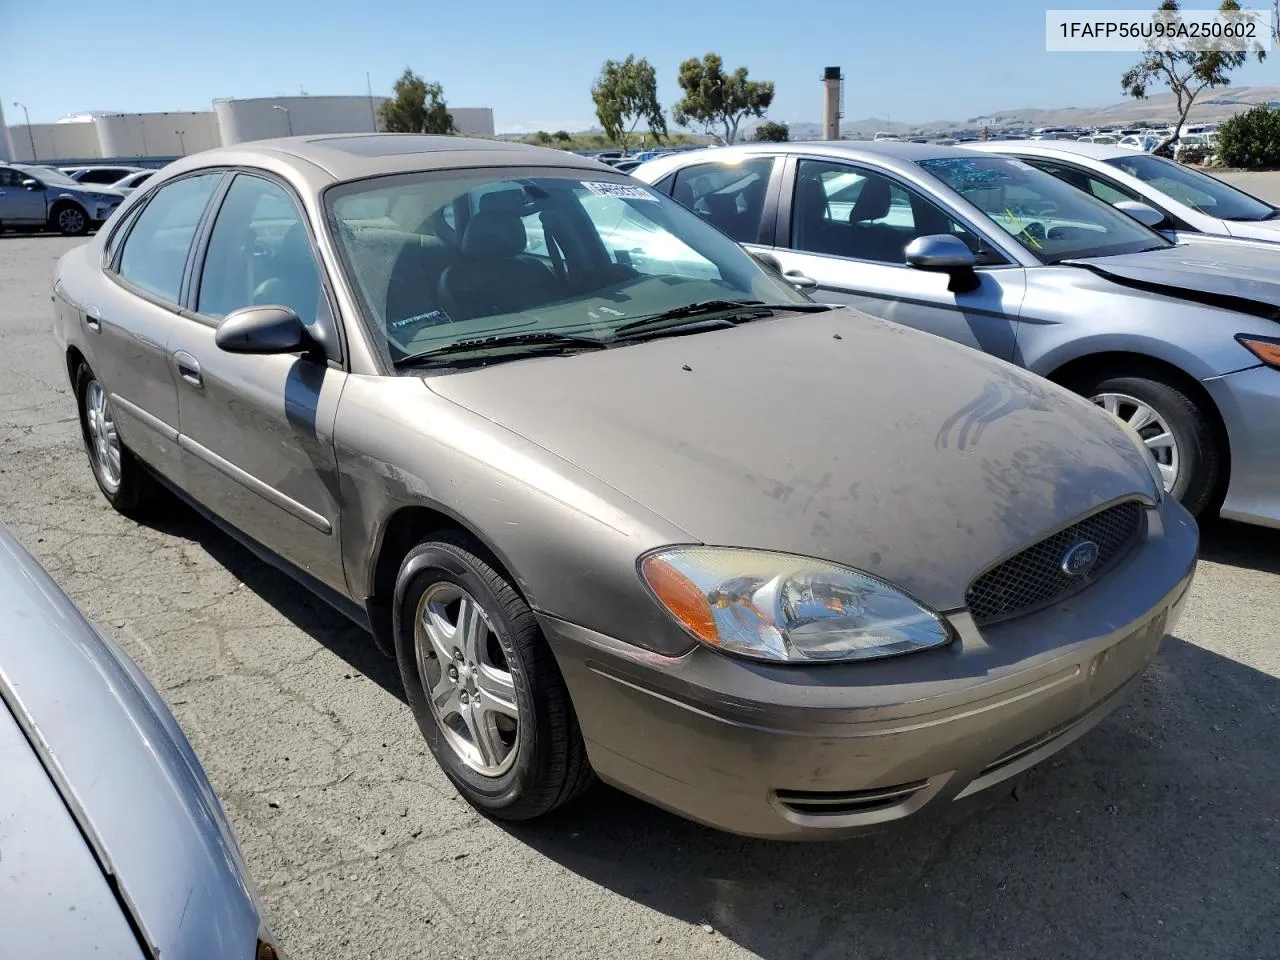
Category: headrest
<point>494,233</point>
<point>503,200</point>
<point>873,201</point>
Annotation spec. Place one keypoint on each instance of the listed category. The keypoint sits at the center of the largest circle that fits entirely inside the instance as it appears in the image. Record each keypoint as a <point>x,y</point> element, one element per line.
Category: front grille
<point>838,802</point>
<point>1034,578</point>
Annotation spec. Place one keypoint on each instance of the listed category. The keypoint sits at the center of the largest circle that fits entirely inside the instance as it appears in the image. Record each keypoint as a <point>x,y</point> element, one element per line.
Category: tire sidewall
<point>424,566</point>
<point>84,220</point>
<point>85,376</point>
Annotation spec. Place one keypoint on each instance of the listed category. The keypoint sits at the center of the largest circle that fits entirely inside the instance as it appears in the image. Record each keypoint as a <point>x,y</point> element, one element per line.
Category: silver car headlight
<point>1153,468</point>
<point>781,607</point>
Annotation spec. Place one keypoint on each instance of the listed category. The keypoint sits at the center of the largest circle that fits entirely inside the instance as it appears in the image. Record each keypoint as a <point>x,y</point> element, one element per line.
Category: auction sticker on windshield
<point>624,191</point>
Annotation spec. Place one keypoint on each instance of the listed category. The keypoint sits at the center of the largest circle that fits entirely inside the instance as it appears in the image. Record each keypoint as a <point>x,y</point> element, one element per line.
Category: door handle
<point>93,319</point>
<point>188,368</point>
<point>800,280</point>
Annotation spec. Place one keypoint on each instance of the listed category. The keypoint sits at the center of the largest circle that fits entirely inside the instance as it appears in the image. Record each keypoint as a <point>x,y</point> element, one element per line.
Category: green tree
<point>1250,140</point>
<point>625,93</point>
<point>562,136</point>
<point>1187,73</point>
<point>542,137</point>
<point>714,98</point>
<point>418,107</point>
<point>772,131</point>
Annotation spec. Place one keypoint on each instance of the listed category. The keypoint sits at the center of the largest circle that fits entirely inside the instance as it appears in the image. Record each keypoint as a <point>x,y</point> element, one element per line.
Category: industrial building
<point>161,137</point>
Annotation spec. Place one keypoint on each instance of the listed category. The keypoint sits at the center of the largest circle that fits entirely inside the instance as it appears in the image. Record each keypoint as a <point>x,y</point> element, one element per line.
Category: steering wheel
<point>1035,233</point>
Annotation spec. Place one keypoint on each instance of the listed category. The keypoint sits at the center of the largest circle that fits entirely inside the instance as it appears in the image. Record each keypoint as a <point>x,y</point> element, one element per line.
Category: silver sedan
<point>1177,340</point>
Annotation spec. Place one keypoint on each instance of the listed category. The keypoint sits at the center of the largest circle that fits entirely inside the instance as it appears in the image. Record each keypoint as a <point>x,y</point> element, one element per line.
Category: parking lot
<point>1158,835</point>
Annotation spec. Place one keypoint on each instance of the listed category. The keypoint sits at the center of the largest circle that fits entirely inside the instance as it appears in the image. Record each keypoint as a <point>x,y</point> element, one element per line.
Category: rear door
<point>846,226</point>
<point>128,322</point>
<point>17,203</point>
<point>257,430</point>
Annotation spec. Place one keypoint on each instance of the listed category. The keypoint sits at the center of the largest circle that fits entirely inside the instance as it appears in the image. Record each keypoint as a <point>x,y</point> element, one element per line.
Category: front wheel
<point>70,220</point>
<point>1179,433</point>
<point>482,683</point>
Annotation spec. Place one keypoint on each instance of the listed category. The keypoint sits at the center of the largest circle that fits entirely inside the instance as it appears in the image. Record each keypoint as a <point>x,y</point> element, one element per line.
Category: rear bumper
<point>816,753</point>
<point>1249,402</point>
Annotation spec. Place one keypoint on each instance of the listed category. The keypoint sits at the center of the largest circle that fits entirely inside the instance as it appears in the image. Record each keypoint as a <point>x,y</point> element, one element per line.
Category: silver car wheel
<point>466,679</point>
<point>1152,427</point>
<point>103,436</point>
<point>71,220</point>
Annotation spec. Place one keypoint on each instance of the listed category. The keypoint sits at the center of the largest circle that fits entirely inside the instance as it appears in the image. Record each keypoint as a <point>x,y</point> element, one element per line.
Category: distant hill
<point>1154,111</point>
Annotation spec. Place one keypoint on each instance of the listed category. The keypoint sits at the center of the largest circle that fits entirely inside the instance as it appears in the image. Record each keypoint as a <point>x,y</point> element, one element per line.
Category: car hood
<point>1255,229</point>
<point>833,435</point>
<point>1236,275</point>
<point>88,190</point>
<point>124,770</point>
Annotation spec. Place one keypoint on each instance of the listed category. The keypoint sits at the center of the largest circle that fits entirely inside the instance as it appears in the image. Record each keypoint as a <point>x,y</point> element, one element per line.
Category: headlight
<point>1153,468</point>
<point>776,606</point>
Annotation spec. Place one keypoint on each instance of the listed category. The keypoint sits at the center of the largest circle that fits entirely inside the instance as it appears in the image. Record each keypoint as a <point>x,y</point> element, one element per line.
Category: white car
<point>127,185</point>
<point>1192,203</point>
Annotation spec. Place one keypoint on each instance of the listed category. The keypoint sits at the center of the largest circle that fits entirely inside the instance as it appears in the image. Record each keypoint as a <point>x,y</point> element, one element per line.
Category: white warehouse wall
<point>6,148</point>
<point>258,118</point>
<point>156,134</point>
<point>54,141</point>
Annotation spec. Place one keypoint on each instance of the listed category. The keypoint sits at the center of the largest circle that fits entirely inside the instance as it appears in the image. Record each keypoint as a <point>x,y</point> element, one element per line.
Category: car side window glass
<point>1085,181</point>
<point>155,251</point>
<point>844,211</point>
<point>259,253</point>
<point>10,178</point>
<point>728,196</point>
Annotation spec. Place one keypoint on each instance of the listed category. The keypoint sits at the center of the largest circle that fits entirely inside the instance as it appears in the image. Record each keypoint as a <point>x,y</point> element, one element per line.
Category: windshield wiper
<point>735,310</point>
<point>535,340</point>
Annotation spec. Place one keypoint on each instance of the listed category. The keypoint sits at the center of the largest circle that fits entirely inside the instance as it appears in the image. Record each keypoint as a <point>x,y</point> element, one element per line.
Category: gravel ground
<point>1158,835</point>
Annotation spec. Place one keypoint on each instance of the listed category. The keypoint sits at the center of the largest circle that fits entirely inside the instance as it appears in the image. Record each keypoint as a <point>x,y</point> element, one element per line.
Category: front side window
<point>1194,189</point>
<point>846,211</point>
<point>497,253</point>
<point>155,251</point>
<point>728,195</point>
<point>1083,180</point>
<point>10,177</point>
<point>259,253</point>
<point>1051,219</point>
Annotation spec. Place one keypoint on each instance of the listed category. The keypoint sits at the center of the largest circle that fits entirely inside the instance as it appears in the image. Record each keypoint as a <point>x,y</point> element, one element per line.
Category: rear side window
<point>155,251</point>
<point>728,196</point>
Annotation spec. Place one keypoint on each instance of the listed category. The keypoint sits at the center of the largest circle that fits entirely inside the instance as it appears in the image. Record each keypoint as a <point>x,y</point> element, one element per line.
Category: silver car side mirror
<point>1144,214</point>
<point>943,253</point>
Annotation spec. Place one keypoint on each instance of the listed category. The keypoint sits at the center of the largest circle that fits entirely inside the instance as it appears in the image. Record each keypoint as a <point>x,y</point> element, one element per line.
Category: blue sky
<point>534,62</point>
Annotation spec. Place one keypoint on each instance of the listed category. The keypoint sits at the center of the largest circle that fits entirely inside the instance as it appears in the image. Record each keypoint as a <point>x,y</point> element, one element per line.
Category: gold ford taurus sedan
<point>619,500</point>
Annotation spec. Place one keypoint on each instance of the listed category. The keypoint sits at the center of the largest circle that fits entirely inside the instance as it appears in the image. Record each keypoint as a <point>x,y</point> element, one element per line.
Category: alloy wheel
<point>466,679</point>
<point>1151,427</point>
<point>71,220</point>
<point>104,439</point>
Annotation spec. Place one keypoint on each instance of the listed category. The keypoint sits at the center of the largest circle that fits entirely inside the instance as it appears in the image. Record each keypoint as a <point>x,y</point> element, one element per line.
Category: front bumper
<point>817,752</point>
<point>1249,401</point>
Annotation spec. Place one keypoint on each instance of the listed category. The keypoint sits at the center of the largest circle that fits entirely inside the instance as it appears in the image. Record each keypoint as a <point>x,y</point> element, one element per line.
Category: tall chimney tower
<point>831,82</point>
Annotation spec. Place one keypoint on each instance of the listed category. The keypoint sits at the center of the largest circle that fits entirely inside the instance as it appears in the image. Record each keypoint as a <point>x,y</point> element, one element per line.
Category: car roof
<point>1094,151</point>
<point>349,156</point>
<point>886,152</point>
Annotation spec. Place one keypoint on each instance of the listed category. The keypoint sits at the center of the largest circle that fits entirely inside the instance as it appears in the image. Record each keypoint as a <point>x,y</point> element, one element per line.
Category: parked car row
<point>622,501</point>
<point>988,246</point>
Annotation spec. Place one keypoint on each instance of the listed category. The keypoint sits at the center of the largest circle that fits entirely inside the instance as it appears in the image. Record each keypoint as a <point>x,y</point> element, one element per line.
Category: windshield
<point>1196,190</point>
<point>439,258</point>
<point>1050,218</point>
<point>47,175</point>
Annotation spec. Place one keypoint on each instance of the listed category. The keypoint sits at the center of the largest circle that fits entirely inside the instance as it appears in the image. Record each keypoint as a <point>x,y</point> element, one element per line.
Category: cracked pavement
<point>1157,835</point>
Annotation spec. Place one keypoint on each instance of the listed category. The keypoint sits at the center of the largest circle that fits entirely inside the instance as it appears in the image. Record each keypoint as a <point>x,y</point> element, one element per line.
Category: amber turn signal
<point>1264,348</point>
<point>681,596</point>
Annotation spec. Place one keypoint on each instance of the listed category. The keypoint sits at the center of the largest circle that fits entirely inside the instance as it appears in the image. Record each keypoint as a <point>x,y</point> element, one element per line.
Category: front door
<point>846,228</point>
<point>257,430</point>
<point>17,203</point>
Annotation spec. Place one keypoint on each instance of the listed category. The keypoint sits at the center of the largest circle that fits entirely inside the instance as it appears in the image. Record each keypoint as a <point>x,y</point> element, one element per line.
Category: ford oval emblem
<point>1080,559</point>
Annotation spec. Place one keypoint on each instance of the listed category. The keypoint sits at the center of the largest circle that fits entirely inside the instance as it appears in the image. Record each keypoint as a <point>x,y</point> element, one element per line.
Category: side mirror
<point>270,329</point>
<point>943,253</point>
<point>33,184</point>
<point>1146,215</point>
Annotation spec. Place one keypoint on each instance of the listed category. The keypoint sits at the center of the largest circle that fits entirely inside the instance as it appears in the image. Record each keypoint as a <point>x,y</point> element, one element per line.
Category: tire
<point>523,774</point>
<point>69,219</point>
<point>1201,456</point>
<point>128,487</point>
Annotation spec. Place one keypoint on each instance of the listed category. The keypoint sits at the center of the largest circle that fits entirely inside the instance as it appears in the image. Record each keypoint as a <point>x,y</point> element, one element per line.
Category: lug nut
<point>453,673</point>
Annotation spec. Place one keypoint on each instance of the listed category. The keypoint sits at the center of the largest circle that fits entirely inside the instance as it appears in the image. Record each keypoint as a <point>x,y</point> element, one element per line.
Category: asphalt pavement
<point>1157,835</point>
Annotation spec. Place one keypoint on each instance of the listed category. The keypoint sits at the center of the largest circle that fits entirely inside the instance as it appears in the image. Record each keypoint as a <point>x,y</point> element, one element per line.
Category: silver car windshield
<point>1052,219</point>
<point>47,176</point>
<point>448,257</point>
<point>1194,189</point>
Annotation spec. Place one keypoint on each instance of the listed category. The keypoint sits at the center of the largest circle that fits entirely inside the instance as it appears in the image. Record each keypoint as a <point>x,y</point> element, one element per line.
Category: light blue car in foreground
<point>1180,340</point>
